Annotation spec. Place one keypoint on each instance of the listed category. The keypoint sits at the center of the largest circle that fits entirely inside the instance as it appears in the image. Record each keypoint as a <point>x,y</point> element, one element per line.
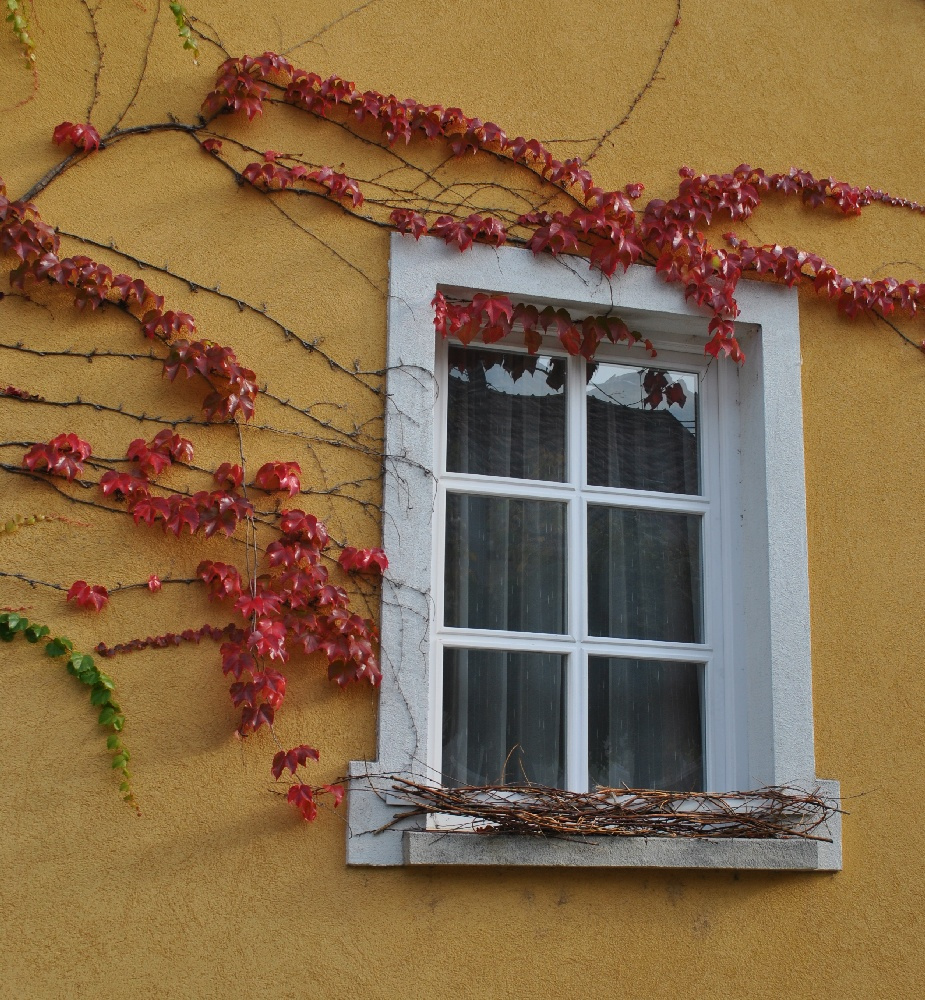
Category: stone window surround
<point>777,690</point>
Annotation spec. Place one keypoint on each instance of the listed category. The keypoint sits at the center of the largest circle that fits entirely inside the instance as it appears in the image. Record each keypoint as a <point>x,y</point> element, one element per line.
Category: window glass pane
<point>503,717</point>
<point>505,563</point>
<point>644,724</point>
<point>506,414</point>
<point>644,578</point>
<point>642,429</point>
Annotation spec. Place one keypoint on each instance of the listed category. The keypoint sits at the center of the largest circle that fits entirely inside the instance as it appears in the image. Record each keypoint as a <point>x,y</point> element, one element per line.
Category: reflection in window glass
<point>644,578</point>
<point>505,563</point>
<point>503,717</point>
<point>642,429</point>
<point>506,415</point>
<point>644,724</point>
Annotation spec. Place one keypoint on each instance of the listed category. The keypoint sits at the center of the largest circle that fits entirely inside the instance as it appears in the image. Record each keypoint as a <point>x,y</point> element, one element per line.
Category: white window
<point>584,589</point>
<point>575,625</point>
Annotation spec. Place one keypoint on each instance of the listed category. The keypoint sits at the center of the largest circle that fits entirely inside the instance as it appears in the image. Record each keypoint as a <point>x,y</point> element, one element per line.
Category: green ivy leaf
<point>113,742</point>
<point>35,632</point>
<point>99,696</point>
<point>120,760</point>
<point>118,722</point>
<point>59,646</point>
<point>107,715</point>
<point>81,662</point>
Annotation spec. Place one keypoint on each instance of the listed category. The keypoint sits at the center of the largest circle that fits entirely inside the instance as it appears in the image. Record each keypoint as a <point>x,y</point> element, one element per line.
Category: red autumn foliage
<point>407,221</point>
<point>253,717</point>
<point>168,639</point>
<point>305,798</point>
<point>63,456</point>
<point>152,457</point>
<point>122,485</point>
<point>605,226</point>
<point>262,603</point>
<point>279,476</point>
<point>295,603</point>
<point>463,232</point>
<point>209,513</point>
<point>658,388</point>
<point>84,137</point>
<point>228,476</point>
<point>273,176</point>
<point>291,760</point>
<point>221,579</point>
<point>494,316</point>
<point>372,561</point>
<point>297,608</point>
<point>11,392</point>
<point>85,596</point>
<point>165,325</point>
<point>236,390</point>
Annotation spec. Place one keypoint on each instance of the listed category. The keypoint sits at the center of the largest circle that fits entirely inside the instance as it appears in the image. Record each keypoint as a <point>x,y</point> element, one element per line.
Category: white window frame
<point>720,755</point>
<point>761,727</point>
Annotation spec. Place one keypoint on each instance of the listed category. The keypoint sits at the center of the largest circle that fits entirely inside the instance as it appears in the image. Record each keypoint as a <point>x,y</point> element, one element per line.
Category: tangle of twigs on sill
<point>775,813</point>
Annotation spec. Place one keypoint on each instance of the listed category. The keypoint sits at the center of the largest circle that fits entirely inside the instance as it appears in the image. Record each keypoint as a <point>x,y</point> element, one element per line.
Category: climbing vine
<point>283,598</point>
<point>82,667</point>
<point>16,18</point>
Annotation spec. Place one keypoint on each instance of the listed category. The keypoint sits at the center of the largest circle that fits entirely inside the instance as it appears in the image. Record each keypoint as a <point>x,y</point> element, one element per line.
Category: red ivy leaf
<point>554,233</point>
<point>337,791</point>
<point>252,718</point>
<point>13,393</point>
<point>236,660</point>
<point>372,561</point>
<point>304,527</point>
<point>149,462</point>
<point>166,442</point>
<point>63,456</point>
<point>272,686</point>
<point>303,798</point>
<point>675,394</point>
<point>154,584</point>
<point>339,185</point>
<point>279,476</point>
<point>221,579</point>
<point>290,760</point>
<point>268,638</point>
<point>83,137</point>
<point>229,476</point>
<point>290,552</point>
<point>85,596</point>
<point>409,222</point>
<point>262,603</point>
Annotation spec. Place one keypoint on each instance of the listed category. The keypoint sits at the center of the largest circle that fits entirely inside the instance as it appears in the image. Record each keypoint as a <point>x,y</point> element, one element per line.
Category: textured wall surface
<point>218,889</point>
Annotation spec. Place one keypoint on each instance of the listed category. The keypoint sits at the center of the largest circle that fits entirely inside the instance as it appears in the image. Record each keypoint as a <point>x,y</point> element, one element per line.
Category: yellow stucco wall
<point>218,890</point>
